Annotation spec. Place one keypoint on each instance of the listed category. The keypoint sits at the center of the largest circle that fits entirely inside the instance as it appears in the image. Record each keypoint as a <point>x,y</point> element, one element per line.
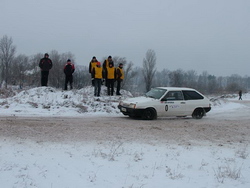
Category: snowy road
<point>216,128</point>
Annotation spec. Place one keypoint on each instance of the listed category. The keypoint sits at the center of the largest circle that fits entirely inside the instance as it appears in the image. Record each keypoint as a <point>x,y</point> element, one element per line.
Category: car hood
<point>139,100</point>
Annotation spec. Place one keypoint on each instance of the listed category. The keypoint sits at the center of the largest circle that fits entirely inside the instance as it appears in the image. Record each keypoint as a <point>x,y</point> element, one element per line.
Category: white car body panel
<point>168,106</point>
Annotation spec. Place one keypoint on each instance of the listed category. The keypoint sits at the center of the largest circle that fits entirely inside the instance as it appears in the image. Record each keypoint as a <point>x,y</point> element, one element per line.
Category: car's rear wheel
<point>198,113</point>
<point>149,114</point>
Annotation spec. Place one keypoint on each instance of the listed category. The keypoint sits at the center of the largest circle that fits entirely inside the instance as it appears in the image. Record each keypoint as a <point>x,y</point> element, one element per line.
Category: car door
<point>173,104</point>
<point>193,100</point>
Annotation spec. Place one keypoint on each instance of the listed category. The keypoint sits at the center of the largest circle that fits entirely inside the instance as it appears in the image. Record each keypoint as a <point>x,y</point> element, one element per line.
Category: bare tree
<point>117,60</point>
<point>177,78</point>
<point>203,82</point>
<point>33,71</point>
<point>81,77</point>
<point>212,86</point>
<point>191,79</point>
<point>18,69</point>
<point>149,63</point>
<point>7,52</point>
<point>57,77</point>
<point>162,78</point>
<point>129,74</point>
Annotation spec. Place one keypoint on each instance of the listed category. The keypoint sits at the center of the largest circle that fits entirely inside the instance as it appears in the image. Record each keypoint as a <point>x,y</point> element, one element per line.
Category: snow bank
<point>48,101</point>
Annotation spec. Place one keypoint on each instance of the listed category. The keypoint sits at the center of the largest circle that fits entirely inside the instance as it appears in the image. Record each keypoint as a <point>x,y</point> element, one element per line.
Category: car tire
<point>149,114</point>
<point>198,113</point>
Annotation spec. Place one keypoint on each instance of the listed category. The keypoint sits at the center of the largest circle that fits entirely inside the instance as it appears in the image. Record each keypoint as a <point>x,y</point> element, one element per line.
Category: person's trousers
<point>118,88</point>
<point>68,79</point>
<point>98,83</point>
<point>44,78</point>
<point>110,86</point>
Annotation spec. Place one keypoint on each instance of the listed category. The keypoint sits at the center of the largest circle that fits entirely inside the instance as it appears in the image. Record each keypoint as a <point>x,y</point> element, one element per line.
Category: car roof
<point>176,88</point>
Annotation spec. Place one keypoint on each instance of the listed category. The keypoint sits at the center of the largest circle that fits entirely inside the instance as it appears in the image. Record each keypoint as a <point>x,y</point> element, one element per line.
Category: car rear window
<point>192,95</point>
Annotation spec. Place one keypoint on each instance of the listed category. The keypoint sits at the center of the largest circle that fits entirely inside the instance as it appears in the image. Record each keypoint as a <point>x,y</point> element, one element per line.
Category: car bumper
<point>207,109</point>
<point>130,111</point>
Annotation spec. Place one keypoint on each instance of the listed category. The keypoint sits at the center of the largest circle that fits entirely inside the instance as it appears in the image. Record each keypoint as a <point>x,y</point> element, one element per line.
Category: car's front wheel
<point>149,114</point>
<point>198,113</point>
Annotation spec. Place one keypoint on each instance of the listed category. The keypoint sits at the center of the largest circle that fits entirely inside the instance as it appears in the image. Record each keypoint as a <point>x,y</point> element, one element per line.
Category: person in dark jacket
<point>119,78</point>
<point>69,69</point>
<point>45,64</point>
<point>92,64</point>
<point>240,95</point>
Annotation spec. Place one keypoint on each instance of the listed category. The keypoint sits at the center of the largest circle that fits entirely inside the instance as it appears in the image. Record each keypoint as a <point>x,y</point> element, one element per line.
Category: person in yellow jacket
<point>105,64</point>
<point>97,74</point>
<point>119,78</point>
<point>110,76</point>
<point>92,64</point>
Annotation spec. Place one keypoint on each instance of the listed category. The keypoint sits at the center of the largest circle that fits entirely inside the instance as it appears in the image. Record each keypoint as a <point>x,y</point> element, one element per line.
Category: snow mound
<point>52,101</point>
<point>229,103</point>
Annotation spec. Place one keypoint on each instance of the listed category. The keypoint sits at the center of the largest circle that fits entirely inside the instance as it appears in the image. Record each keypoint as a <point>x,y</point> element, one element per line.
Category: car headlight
<point>132,105</point>
<point>127,105</point>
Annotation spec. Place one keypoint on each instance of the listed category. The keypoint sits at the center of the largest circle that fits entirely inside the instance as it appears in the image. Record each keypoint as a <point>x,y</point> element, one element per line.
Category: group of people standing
<point>107,73</point>
<point>46,64</point>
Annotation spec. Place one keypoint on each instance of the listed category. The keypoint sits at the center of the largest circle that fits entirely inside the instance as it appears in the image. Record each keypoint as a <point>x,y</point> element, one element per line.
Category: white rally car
<point>167,101</point>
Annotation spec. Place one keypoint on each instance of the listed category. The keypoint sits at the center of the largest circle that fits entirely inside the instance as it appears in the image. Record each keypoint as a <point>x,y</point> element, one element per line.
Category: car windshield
<point>156,93</point>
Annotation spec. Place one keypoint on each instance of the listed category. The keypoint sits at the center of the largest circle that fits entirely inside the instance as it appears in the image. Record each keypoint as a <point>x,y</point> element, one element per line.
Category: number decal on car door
<point>166,107</point>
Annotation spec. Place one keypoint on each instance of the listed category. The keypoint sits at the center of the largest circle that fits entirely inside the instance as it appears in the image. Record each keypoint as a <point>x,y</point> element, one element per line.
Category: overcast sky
<point>201,35</point>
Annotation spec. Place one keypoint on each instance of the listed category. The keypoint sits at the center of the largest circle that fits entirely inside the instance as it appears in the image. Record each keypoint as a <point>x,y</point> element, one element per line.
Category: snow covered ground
<point>48,101</point>
<point>114,163</point>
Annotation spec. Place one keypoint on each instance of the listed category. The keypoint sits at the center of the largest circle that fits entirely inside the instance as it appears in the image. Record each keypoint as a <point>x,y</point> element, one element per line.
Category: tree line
<point>23,71</point>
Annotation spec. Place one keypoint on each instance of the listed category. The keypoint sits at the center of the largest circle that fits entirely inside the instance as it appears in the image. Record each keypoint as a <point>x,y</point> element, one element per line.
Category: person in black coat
<point>240,95</point>
<point>69,69</point>
<point>45,64</point>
